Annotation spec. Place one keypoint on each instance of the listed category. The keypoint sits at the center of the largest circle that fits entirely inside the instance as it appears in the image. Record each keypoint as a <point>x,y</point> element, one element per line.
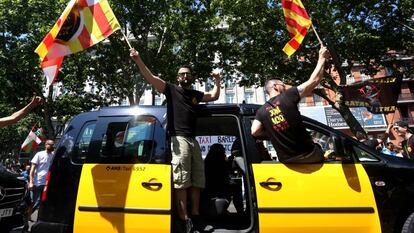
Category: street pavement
<point>20,229</point>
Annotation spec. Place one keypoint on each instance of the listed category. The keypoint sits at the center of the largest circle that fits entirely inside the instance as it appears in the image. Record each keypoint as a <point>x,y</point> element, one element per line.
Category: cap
<point>403,124</point>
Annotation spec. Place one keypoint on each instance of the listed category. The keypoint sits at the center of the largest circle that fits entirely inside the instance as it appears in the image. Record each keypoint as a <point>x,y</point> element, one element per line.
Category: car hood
<point>10,179</point>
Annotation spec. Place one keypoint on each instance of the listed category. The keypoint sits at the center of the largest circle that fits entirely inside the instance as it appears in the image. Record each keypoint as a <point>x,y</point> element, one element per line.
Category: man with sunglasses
<point>279,118</point>
<point>187,163</point>
<point>402,130</point>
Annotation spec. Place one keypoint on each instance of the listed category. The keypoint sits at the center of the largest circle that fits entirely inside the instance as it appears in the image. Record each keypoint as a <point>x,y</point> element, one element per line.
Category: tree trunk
<point>139,91</point>
<point>48,106</point>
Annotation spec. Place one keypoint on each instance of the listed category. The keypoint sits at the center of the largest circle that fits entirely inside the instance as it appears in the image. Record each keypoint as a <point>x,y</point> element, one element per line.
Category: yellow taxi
<point>112,173</point>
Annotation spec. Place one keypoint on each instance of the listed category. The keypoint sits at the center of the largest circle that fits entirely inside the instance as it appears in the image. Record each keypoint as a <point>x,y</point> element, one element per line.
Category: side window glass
<point>113,139</point>
<point>128,140</point>
<point>83,141</point>
<point>145,140</point>
<point>363,155</point>
<point>329,146</point>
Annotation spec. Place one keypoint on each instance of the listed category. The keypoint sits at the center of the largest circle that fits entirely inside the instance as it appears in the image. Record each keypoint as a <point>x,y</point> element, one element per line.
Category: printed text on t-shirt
<point>277,118</point>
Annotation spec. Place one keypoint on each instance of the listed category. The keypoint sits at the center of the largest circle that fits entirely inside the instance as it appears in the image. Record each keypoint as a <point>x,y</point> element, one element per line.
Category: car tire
<point>408,226</point>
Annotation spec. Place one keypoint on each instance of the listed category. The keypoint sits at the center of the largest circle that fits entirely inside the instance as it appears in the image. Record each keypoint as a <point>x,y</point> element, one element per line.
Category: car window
<point>82,143</point>
<point>363,155</point>
<point>224,130</point>
<point>330,147</point>
<point>122,140</point>
<point>324,139</point>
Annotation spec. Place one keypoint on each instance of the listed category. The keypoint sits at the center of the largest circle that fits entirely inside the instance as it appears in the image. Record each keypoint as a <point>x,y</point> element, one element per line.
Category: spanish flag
<point>297,22</point>
<point>82,24</point>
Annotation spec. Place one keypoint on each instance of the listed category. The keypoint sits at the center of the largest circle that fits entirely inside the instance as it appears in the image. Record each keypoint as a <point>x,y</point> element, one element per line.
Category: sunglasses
<point>185,74</point>
<point>396,128</point>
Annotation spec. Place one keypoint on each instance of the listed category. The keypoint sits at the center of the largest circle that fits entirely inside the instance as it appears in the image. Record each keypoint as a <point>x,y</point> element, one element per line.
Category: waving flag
<point>297,22</point>
<point>379,95</point>
<point>82,24</point>
<point>51,69</point>
<point>33,140</point>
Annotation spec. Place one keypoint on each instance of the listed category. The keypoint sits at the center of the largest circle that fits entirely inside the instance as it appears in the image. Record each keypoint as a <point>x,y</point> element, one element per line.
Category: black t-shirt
<point>181,109</point>
<point>283,124</point>
<point>408,146</point>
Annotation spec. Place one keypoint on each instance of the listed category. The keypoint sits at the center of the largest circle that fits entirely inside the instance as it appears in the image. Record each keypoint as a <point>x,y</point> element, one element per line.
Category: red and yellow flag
<point>82,24</point>
<point>297,22</point>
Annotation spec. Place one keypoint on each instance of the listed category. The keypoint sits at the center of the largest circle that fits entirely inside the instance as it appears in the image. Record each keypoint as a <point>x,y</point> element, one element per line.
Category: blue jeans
<point>37,194</point>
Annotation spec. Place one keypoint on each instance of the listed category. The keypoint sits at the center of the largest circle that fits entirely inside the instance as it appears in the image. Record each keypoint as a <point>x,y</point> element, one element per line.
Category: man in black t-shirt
<point>402,129</point>
<point>187,163</point>
<point>280,119</point>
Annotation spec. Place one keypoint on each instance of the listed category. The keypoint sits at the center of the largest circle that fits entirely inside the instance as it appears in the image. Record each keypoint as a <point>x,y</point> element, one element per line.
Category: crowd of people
<point>404,135</point>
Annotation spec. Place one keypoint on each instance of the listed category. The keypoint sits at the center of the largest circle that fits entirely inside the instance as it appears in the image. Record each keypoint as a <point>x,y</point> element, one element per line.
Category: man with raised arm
<point>280,119</point>
<point>187,163</point>
<point>15,117</point>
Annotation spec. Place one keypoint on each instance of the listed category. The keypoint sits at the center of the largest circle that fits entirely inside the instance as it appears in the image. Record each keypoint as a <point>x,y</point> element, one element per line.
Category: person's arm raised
<point>307,87</point>
<point>15,117</point>
<point>155,81</point>
<point>214,94</point>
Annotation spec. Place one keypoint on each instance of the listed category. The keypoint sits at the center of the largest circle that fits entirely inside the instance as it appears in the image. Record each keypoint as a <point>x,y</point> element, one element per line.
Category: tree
<point>258,34</point>
<point>245,38</point>
<point>158,30</point>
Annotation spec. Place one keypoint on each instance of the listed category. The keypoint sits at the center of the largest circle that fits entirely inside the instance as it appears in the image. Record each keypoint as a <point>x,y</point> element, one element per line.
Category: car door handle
<point>271,185</point>
<point>152,185</point>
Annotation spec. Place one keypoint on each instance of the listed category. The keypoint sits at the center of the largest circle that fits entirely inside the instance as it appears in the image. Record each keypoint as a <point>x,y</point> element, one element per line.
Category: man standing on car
<point>40,166</point>
<point>187,163</point>
<point>402,129</point>
<point>280,119</point>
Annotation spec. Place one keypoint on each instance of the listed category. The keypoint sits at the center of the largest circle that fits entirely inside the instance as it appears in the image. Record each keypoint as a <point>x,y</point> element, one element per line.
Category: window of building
<point>158,100</point>
<point>249,97</point>
<point>230,98</point>
<point>209,85</point>
<point>230,84</point>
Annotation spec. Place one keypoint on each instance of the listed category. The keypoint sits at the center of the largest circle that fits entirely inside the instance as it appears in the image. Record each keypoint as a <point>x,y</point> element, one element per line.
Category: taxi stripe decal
<point>123,210</point>
<point>318,210</point>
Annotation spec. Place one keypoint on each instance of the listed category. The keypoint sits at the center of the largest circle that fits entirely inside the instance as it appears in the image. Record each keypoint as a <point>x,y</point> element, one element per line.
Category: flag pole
<point>317,35</point>
<point>126,38</point>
